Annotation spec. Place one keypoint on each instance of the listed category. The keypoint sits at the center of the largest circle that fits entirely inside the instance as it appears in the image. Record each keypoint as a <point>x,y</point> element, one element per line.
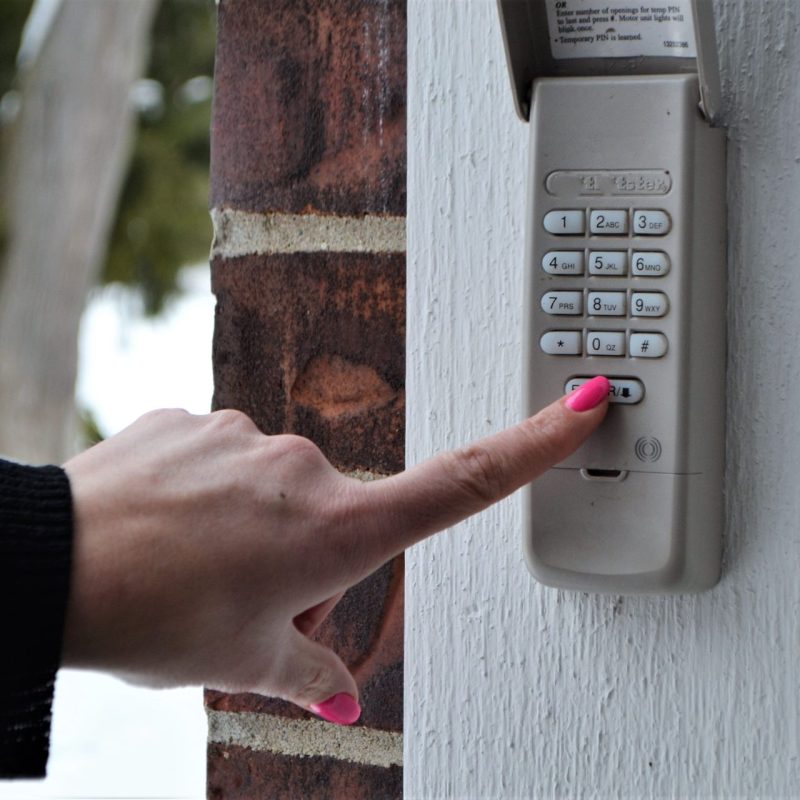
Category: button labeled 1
<point>565,222</point>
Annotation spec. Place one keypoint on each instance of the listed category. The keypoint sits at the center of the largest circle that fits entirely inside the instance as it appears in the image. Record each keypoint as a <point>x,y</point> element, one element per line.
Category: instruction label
<point>591,29</point>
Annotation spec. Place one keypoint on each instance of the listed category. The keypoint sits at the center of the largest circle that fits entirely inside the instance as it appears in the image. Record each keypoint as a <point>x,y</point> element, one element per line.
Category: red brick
<point>314,344</point>
<point>236,773</point>
<point>309,106</point>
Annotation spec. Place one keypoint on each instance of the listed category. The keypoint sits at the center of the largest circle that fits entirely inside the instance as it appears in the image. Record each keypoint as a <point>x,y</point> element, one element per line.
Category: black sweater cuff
<point>35,556</point>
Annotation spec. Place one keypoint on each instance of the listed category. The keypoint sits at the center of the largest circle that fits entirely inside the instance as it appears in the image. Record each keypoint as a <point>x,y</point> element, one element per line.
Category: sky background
<point>109,739</point>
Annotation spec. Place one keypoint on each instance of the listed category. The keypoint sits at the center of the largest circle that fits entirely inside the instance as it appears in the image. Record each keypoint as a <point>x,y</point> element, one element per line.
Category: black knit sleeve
<point>35,556</point>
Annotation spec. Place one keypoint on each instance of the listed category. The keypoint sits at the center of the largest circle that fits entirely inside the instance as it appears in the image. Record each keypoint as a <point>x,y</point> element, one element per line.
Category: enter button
<point>627,391</point>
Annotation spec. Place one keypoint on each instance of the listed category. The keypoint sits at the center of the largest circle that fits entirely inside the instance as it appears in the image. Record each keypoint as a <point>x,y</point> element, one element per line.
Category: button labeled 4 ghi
<point>563,262</point>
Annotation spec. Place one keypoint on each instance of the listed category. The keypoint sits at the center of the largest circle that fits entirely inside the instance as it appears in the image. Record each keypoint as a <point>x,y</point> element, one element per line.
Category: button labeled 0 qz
<point>605,343</point>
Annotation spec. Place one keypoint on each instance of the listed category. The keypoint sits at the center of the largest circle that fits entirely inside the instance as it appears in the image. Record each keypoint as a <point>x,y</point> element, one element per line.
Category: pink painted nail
<point>341,709</point>
<point>589,395</point>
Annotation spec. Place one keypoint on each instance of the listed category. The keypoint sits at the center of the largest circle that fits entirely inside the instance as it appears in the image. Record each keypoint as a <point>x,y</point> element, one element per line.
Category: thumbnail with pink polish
<point>589,395</point>
<point>341,709</point>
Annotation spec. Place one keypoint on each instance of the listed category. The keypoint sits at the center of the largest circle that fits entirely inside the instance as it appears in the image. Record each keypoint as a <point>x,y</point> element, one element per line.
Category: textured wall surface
<point>515,690</point>
<point>308,268</point>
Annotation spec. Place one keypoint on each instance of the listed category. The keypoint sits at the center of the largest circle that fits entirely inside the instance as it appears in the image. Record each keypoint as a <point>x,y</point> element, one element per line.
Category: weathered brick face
<point>237,775</point>
<point>314,344</point>
<point>309,111</point>
<point>309,130</point>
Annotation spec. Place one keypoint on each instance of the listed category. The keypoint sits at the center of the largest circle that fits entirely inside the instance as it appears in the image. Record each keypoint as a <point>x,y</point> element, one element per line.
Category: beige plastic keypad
<point>572,305</point>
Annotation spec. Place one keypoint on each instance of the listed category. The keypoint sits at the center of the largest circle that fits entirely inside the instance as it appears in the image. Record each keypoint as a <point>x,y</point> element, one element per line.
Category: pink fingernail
<point>341,709</point>
<point>588,395</point>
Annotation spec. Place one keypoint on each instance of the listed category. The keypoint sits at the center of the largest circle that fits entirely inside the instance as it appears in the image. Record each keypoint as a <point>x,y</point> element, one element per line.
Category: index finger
<point>401,510</point>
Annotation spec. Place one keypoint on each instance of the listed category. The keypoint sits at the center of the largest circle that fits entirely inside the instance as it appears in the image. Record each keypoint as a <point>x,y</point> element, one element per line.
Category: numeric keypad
<point>582,258</point>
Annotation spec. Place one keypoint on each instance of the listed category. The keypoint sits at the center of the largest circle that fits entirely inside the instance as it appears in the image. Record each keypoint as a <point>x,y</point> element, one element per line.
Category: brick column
<point>308,267</point>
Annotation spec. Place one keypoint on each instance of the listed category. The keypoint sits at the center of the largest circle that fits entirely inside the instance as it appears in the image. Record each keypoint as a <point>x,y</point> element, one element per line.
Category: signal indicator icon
<point>647,449</point>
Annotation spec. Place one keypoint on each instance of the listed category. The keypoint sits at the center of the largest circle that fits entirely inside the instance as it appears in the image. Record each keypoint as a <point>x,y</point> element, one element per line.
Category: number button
<point>648,345</point>
<point>649,304</point>
<point>561,343</point>
<point>607,304</point>
<point>648,222</point>
<point>563,262</point>
<point>609,222</point>
<point>562,303</point>
<point>611,263</point>
<point>565,222</point>
<point>649,265</point>
<point>605,343</point>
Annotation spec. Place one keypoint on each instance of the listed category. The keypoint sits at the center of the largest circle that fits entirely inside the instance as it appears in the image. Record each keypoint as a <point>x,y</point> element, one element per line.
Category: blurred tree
<point>163,221</point>
<point>13,14</point>
<point>66,154</point>
<point>66,128</point>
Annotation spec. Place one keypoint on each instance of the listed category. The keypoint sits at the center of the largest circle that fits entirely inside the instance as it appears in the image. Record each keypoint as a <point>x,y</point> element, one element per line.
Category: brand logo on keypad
<point>648,449</point>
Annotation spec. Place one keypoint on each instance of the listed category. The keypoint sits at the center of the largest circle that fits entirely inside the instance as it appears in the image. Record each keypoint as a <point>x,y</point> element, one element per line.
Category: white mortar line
<point>240,233</point>
<point>366,476</point>
<point>305,737</point>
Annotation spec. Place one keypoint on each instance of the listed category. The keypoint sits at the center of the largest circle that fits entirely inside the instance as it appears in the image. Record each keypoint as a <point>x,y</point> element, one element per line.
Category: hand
<point>207,553</point>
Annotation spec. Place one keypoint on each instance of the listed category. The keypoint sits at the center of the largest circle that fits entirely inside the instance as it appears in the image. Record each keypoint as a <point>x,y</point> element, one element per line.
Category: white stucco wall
<point>515,690</point>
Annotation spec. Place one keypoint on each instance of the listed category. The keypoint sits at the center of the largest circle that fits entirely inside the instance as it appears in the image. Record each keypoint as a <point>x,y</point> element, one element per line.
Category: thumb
<point>315,678</point>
